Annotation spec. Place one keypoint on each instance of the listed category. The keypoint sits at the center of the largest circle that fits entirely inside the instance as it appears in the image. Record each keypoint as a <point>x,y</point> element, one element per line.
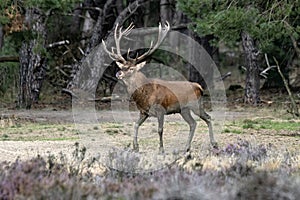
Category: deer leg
<point>140,121</point>
<point>205,117</point>
<point>186,115</point>
<point>160,132</point>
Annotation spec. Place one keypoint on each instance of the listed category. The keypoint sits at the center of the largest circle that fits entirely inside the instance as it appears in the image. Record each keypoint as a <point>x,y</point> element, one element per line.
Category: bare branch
<point>60,43</point>
<point>294,110</point>
<point>224,76</point>
<point>128,11</point>
<point>264,72</point>
<point>69,92</point>
<point>9,59</point>
<point>81,51</point>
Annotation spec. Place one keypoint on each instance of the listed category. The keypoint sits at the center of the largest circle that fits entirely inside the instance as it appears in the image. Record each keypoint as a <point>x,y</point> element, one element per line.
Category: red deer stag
<point>155,97</point>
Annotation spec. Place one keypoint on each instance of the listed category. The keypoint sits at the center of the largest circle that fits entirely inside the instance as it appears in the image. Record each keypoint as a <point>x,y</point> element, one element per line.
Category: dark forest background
<point>43,42</point>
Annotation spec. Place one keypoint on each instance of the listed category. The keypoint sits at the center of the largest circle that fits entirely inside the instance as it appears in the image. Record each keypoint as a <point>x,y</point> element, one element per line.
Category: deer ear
<point>140,65</point>
<point>120,65</point>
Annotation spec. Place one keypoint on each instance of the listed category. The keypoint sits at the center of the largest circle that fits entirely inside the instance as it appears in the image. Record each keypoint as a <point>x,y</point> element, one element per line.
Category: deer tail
<point>201,89</point>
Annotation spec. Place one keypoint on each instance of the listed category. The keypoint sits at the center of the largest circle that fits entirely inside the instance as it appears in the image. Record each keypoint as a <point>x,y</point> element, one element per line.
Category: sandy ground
<point>104,129</point>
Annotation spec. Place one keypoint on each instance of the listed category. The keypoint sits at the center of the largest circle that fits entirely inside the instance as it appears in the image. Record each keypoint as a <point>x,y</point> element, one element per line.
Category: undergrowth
<point>242,126</point>
<point>240,170</point>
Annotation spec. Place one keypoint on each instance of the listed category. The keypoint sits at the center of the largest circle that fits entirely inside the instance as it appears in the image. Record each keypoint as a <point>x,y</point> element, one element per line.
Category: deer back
<point>171,96</point>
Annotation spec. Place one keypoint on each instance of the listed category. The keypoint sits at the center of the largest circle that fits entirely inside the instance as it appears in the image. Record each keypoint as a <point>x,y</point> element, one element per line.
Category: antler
<point>118,34</point>
<point>161,36</point>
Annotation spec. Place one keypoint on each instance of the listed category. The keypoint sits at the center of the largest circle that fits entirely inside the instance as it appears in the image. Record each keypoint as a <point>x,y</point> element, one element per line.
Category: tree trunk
<point>252,73</point>
<point>86,84</point>
<point>1,36</point>
<point>76,20</point>
<point>166,10</point>
<point>86,73</point>
<point>194,74</point>
<point>32,62</point>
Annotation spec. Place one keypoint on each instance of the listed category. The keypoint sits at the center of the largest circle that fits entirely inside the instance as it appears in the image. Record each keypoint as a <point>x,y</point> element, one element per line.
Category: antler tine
<point>118,37</point>
<point>118,34</point>
<point>128,57</point>
<point>128,29</point>
<point>117,42</point>
<point>111,54</point>
<point>161,36</point>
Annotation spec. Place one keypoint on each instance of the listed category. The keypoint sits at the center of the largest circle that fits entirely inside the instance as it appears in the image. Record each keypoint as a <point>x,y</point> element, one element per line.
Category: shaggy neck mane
<point>135,82</point>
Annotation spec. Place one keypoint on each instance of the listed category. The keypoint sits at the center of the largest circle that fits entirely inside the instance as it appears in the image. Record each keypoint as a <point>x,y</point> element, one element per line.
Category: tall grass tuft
<point>238,171</point>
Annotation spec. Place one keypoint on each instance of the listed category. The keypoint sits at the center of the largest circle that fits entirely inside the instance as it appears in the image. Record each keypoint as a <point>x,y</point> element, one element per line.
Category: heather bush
<point>123,161</point>
<point>265,186</point>
<point>238,171</point>
<point>246,150</point>
<point>40,178</point>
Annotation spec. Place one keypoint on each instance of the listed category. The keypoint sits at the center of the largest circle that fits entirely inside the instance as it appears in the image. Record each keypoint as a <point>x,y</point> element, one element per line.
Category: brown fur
<point>155,97</point>
<point>172,96</point>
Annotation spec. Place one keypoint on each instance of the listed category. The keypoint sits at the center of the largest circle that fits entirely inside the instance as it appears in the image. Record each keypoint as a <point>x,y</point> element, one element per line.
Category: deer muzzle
<point>119,75</point>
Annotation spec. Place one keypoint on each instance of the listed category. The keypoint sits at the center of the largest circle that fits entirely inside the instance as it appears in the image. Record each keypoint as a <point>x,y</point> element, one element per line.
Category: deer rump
<point>167,97</point>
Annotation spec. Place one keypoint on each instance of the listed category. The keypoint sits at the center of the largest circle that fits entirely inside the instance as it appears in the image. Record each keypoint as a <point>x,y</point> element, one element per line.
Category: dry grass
<point>259,161</point>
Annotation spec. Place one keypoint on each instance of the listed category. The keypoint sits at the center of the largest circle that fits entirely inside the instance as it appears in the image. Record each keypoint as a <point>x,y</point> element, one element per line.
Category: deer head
<point>131,66</point>
<point>128,71</point>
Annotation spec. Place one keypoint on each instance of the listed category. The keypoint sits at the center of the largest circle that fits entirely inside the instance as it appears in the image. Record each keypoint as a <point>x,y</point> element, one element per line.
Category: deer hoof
<point>161,150</point>
<point>136,148</point>
<point>214,145</point>
<point>188,155</point>
<point>187,149</point>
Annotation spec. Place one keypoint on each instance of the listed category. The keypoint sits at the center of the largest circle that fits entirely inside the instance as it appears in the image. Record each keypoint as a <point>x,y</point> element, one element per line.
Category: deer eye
<point>131,69</point>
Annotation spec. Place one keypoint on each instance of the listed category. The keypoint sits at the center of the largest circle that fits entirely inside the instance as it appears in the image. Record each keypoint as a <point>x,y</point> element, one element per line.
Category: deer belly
<point>173,109</point>
<point>159,104</point>
<point>158,109</point>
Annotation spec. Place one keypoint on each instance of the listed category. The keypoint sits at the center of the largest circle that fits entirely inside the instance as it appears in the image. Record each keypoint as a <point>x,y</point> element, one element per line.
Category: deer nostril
<point>119,75</point>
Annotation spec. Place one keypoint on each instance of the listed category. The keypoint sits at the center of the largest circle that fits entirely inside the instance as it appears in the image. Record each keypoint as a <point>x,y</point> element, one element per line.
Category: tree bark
<point>166,10</point>
<point>97,35</point>
<point>99,28</point>
<point>32,62</point>
<point>1,36</point>
<point>85,77</point>
<point>194,74</point>
<point>76,20</point>
<point>251,95</point>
